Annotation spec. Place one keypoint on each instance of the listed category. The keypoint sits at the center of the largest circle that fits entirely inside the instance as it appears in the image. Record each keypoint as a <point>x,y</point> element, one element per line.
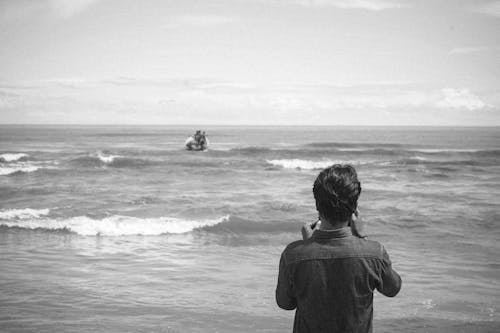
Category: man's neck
<point>328,226</point>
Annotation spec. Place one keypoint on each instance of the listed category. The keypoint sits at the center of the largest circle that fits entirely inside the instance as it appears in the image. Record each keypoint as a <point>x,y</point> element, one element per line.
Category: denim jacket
<point>330,278</point>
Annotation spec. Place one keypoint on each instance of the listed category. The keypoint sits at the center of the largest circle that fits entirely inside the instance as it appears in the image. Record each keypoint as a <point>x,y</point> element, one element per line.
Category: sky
<point>250,62</point>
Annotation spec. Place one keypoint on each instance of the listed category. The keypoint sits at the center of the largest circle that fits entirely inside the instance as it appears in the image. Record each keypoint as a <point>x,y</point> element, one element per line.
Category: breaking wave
<point>114,225</point>
<point>444,164</point>
<point>18,163</point>
<point>106,158</point>
<point>120,225</point>
<point>308,164</point>
<point>21,214</point>
<point>101,159</point>
<point>19,168</point>
<point>11,157</point>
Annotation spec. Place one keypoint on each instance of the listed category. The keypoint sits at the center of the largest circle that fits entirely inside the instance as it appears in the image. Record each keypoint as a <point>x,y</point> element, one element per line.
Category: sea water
<point>119,229</point>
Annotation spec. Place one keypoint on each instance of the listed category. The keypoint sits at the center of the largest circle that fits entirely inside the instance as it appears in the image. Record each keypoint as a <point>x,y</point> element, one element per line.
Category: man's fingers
<point>308,229</point>
<point>357,229</point>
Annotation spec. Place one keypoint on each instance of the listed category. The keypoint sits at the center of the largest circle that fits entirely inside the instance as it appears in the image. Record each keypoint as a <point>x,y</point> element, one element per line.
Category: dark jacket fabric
<point>330,278</point>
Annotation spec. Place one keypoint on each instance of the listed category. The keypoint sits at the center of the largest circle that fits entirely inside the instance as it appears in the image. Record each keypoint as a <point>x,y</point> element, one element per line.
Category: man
<point>197,136</point>
<point>329,276</point>
<point>203,140</point>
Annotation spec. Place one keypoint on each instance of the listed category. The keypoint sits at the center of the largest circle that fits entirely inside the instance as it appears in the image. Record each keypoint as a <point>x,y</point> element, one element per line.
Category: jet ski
<point>192,144</point>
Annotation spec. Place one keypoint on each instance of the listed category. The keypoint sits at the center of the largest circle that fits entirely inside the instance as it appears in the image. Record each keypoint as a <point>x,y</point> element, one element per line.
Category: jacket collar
<point>336,233</point>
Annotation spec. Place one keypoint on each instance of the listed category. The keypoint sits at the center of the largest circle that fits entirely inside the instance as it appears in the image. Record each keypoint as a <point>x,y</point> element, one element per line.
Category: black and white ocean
<point>118,229</point>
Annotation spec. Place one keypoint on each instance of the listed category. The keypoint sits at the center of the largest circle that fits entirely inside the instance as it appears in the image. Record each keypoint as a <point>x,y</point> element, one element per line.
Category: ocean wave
<point>349,145</point>
<point>423,162</point>
<point>106,158</point>
<point>447,150</point>
<point>300,164</point>
<point>308,164</point>
<point>11,157</point>
<point>22,214</point>
<point>100,160</point>
<point>115,225</point>
<point>119,225</point>
<point>19,166</point>
<point>391,149</point>
<point>251,149</point>
<point>416,160</point>
<point>374,152</point>
<point>14,169</point>
<point>238,226</point>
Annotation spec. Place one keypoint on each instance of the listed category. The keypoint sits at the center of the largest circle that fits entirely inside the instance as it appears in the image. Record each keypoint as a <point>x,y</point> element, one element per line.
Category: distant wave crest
<point>115,225</point>
<point>100,159</point>
<point>19,163</point>
<point>307,164</point>
<point>11,157</point>
<point>106,158</point>
<point>22,214</point>
<point>18,168</point>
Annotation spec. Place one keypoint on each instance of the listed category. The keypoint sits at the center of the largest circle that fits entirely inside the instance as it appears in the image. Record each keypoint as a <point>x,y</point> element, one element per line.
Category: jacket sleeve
<point>389,281</point>
<point>284,297</point>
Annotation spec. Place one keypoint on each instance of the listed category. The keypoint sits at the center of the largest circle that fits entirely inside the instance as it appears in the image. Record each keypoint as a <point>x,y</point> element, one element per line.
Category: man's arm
<point>283,290</point>
<point>390,281</point>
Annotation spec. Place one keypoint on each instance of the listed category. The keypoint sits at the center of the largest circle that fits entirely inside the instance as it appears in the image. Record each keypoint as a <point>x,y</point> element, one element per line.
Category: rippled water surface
<point>119,229</point>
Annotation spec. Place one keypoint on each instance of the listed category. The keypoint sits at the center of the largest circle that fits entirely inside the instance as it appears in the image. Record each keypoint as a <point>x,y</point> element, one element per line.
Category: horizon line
<point>246,125</point>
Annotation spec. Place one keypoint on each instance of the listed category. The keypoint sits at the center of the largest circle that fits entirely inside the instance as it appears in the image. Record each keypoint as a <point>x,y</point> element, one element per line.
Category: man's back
<point>330,279</point>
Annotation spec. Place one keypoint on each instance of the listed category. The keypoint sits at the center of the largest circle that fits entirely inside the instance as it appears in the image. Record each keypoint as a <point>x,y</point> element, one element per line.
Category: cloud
<point>371,5</point>
<point>11,11</point>
<point>167,100</point>
<point>459,99</point>
<point>69,8</point>
<point>490,8</point>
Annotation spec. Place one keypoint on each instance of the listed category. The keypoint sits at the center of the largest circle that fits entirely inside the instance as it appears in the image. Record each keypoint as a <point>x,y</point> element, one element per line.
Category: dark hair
<point>336,191</point>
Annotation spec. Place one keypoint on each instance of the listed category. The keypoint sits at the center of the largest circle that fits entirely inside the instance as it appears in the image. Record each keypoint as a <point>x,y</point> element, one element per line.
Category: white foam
<point>12,157</point>
<point>418,158</point>
<point>106,158</point>
<point>450,150</point>
<point>7,170</point>
<point>31,166</point>
<point>305,164</point>
<point>428,304</point>
<point>353,149</point>
<point>117,225</point>
<point>26,213</point>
